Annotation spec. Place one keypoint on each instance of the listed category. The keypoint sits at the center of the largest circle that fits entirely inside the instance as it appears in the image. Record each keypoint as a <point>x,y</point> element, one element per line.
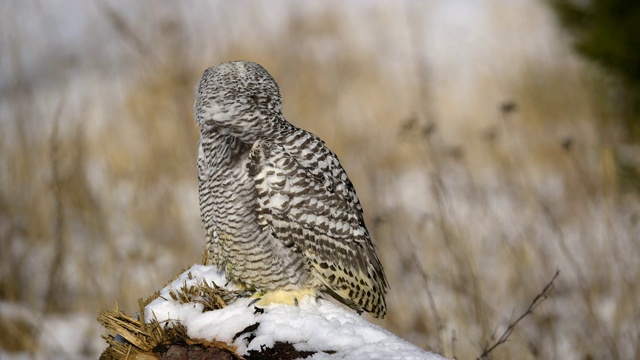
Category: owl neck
<point>220,150</point>
<point>279,126</point>
<point>224,147</point>
<point>270,128</point>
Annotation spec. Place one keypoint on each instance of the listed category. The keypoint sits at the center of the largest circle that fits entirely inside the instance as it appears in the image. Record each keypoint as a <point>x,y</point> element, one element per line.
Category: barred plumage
<point>279,211</point>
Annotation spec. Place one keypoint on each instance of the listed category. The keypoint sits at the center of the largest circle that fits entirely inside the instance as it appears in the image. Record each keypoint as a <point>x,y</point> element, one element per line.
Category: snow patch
<point>315,325</point>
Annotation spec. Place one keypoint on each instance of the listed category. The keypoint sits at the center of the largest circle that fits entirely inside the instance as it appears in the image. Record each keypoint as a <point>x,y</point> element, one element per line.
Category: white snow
<point>313,325</point>
<point>55,336</point>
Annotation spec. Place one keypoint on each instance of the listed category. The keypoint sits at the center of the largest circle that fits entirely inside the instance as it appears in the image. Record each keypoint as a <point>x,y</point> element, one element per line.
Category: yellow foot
<point>288,297</point>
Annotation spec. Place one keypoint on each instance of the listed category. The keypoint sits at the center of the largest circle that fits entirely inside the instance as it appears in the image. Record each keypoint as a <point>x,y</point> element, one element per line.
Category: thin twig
<point>432,303</point>
<point>453,344</point>
<point>125,30</point>
<point>542,296</point>
<point>60,250</point>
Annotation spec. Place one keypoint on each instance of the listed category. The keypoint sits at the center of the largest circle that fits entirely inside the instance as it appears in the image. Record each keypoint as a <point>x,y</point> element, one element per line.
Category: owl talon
<point>288,297</point>
<point>253,301</point>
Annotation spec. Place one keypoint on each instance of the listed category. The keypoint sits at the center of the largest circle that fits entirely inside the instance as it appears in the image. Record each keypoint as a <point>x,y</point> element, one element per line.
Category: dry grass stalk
<point>211,296</point>
<point>542,296</point>
<point>138,339</point>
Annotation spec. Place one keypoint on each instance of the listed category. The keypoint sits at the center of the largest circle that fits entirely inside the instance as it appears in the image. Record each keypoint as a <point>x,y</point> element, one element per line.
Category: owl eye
<point>255,99</point>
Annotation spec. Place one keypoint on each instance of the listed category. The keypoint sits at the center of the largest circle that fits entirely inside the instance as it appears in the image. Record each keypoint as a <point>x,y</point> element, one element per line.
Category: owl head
<point>238,98</point>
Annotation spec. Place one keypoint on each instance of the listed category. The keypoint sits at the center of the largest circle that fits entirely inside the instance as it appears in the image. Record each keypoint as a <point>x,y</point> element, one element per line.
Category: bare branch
<point>542,296</point>
<point>432,303</point>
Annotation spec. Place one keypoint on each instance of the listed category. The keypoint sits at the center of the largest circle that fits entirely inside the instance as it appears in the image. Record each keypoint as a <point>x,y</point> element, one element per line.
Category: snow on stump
<point>198,316</point>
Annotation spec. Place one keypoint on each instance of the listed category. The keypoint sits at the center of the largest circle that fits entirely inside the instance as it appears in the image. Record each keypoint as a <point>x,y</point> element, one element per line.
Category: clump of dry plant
<point>131,336</point>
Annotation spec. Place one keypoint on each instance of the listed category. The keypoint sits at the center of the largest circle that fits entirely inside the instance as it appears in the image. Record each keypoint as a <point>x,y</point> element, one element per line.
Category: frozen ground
<point>313,325</point>
<point>71,336</point>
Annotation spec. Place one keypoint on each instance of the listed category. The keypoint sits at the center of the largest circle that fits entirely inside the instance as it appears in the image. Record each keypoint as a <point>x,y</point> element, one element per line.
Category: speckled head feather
<point>239,96</point>
<point>278,208</point>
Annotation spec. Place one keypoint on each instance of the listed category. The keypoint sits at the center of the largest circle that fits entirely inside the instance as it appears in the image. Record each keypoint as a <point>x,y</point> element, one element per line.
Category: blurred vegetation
<point>608,32</point>
<point>473,200</point>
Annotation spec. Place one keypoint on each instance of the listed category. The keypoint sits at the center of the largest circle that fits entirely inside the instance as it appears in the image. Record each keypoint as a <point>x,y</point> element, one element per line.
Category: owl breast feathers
<point>278,208</point>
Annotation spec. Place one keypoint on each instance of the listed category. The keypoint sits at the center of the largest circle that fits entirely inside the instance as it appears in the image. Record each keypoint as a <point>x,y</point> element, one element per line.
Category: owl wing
<point>306,200</point>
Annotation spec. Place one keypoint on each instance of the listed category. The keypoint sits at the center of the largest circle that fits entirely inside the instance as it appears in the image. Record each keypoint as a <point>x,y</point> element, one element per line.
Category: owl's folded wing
<point>320,215</point>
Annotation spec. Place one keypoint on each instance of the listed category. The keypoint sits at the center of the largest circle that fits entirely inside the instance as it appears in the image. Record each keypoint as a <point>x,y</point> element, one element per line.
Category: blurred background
<point>492,142</point>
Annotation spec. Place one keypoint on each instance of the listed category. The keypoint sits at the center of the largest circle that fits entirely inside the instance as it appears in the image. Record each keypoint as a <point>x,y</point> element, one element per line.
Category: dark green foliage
<point>608,33</point>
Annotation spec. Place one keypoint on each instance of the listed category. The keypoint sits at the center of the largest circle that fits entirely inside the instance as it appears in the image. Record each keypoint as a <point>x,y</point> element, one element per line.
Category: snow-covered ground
<point>59,336</point>
<point>314,325</point>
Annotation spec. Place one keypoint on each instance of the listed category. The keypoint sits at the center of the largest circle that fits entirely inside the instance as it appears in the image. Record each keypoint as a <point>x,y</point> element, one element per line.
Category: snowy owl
<point>280,214</point>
